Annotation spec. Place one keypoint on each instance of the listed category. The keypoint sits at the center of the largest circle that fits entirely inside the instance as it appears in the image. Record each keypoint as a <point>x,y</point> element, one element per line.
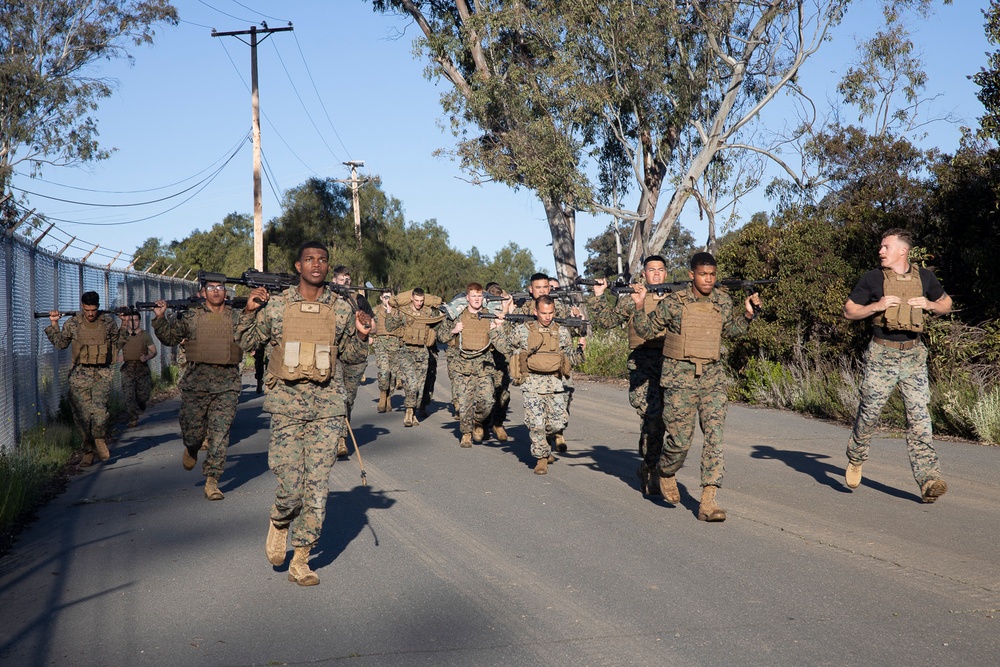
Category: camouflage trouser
<point>885,369</point>
<point>450,355</point>
<point>349,378</point>
<point>501,384</point>
<point>645,365</point>
<point>687,399</point>
<point>413,360</point>
<point>474,395</point>
<point>301,455</point>
<point>544,415</point>
<point>430,378</point>
<point>208,415</point>
<point>89,390</point>
<point>137,385</point>
<point>387,361</point>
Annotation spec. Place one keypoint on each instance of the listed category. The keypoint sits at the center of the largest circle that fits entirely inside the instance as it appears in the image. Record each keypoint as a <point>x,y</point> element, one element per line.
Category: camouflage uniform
<point>472,377</point>
<point>688,396</point>
<point>209,392</point>
<point>89,384</point>
<point>386,355</point>
<point>544,395</point>
<point>137,380</point>
<point>885,369</point>
<point>645,367</point>
<point>563,312</point>
<point>307,418</point>
<point>413,359</point>
<point>350,376</point>
<point>500,370</point>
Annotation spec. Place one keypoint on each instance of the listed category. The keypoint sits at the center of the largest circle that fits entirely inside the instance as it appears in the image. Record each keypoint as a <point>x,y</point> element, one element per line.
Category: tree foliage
<point>48,86</point>
<point>988,78</point>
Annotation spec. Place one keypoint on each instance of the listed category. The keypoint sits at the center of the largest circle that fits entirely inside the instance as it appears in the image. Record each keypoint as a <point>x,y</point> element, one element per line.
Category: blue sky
<point>185,104</point>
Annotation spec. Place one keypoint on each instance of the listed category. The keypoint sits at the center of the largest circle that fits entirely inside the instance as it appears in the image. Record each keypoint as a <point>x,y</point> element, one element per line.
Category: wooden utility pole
<point>356,183</point>
<point>258,211</point>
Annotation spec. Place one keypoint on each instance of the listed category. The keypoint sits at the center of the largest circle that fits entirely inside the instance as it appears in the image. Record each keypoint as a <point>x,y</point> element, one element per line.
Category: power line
<point>273,18</point>
<point>130,192</point>
<point>264,114</point>
<point>318,96</point>
<point>225,13</point>
<point>302,103</point>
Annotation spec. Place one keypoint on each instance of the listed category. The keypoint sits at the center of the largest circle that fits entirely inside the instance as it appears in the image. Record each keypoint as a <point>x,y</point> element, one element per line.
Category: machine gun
<point>748,286</point>
<point>119,312</point>
<point>572,322</point>
<point>622,288</point>
<point>279,282</point>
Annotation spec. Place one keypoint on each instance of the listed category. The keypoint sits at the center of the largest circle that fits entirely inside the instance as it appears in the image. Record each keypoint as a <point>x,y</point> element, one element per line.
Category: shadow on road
<point>810,463</point>
<point>346,518</point>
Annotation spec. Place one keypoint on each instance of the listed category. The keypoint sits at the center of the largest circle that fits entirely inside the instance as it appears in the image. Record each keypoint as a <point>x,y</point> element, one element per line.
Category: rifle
<point>183,304</point>
<point>572,322</point>
<point>518,297</point>
<point>622,288</point>
<point>279,282</point>
<point>120,312</point>
<point>748,286</point>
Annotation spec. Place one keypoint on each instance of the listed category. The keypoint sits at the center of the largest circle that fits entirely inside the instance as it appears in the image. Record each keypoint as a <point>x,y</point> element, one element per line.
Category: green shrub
<point>607,354</point>
<point>27,472</point>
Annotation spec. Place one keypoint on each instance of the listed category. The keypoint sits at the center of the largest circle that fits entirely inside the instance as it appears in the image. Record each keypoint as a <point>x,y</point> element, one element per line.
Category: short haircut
<point>702,259</point>
<point>90,299</point>
<point>901,234</point>
<point>341,270</point>
<point>417,291</point>
<point>546,299</point>
<point>494,289</point>
<point>311,244</point>
<point>538,276</point>
<point>473,287</point>
<point>653,258</point>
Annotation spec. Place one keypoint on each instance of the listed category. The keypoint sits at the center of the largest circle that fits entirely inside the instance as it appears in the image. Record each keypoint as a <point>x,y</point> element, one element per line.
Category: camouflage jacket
<point>303,399</point>
<point>207,378</point>
<point>667,317</point>
<point>515,338</point>
<point>465,363</point>
<point>62,338</point>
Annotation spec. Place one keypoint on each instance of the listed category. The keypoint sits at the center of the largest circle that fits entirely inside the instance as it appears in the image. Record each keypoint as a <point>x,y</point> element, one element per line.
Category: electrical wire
<point>318,96</point>
<point>130,192</point>
<point>262,113</point>
<point>273,18</point>
<point>302,103</point>
<point>225,13</point>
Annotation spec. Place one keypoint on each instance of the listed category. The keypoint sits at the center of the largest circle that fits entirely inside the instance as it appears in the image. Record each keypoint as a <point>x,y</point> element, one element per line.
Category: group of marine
<point>318,335</point>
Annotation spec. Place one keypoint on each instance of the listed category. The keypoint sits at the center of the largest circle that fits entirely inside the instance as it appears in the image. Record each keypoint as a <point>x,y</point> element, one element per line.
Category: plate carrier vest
<point>475,334</point>
<point>543,355</point>
<point>636,341</point>
<point>91,346</point>
<point>308,349</point>
<point>213,341</point>
<point>906,286</point>
<point>134,347</point>
<point>700,339</point>
<point>417,330</point>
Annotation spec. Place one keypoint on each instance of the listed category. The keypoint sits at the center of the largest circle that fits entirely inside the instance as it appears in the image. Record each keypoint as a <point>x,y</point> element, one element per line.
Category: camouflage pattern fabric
<point>885,369</point>
<point>413,361</point>
<point>387,361</point>
<point>645,367</point>
<point>302,463</point>
<point>89,391</point>
<point>501,393</point>
<point>563,311</point>
<point>687,396</point>
<point>209,392</point>
<point>472,378</point>
<point>350,377</point>
<point>137,385</point>
<point>89,386</point>
<point>544,396</point>
<point>430,378</point>
<point>307,418</point>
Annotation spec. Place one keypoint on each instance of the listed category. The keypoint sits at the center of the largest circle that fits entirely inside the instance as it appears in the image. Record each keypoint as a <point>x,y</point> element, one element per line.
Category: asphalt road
<point>464,557</point>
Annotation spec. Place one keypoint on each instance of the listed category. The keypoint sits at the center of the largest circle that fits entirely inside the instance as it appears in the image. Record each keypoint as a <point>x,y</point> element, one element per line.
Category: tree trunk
<point>562,226</point>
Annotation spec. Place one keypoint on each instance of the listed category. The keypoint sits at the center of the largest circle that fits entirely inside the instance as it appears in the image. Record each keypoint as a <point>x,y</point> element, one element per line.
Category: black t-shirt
<point>871,288</point>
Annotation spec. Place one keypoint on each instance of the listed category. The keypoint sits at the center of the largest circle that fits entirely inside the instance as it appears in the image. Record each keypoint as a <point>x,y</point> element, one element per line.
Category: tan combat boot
<point>932,489</point>
<point>669,490</point>
<point>102,449</point>
<point>500,432</point>
<point>189,461</point>
<point>212,489</point>
<point>410,419</point>
<point>298,569</point>
<point>342,447</point>
<point>383,401</point>
<point>277,544</point>
<point>466,440</point>
<point>204,445</point>
<point>853,475</point>
<point>708,510</point>
<point>477,433</point>
<point>542,466</point>
<point>560,442</point>
<point>87,460</point>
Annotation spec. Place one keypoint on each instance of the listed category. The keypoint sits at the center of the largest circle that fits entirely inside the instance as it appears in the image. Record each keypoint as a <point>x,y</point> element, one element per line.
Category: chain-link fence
<point>32,372</point>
